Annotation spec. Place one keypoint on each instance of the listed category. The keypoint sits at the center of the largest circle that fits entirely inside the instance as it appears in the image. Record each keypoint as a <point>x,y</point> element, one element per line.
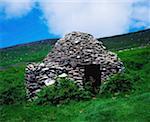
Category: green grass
<point>137,63</point>
<point>126,41</point>
<point>30,53</point>
<point>131,107</point>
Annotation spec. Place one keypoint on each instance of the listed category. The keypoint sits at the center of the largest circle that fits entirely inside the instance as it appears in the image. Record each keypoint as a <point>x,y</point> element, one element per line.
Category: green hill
<point>36,51</point>
<point>130,107</point>
<point>125,41</point>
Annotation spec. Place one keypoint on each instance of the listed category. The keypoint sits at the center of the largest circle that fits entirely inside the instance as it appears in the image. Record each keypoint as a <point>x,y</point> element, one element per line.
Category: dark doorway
<point>93,75</point>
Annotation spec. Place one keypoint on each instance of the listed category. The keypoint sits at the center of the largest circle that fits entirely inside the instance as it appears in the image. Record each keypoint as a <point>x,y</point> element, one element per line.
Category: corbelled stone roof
<point>78,48</point>
<point>69,54</point>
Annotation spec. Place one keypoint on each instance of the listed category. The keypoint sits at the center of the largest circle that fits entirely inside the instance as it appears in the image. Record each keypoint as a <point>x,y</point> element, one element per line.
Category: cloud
<point>16,8</point>
<point>98,17</point>
<point>141,14</point>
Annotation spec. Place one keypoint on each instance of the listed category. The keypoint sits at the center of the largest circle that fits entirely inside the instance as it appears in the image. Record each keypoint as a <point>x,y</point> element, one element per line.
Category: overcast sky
<point>23,21</point>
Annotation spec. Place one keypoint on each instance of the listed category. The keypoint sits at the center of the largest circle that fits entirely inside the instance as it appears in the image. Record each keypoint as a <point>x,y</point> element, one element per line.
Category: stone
<point>68,58</point>
<point>49,82</point>
<point>62,75</point>
<point>77,41</point>
<point>78,56</point>
<point>41,64</point>
<point>44,69</point>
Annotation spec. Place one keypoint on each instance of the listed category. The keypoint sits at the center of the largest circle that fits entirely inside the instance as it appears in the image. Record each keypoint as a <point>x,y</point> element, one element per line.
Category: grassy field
<point>131,107</point>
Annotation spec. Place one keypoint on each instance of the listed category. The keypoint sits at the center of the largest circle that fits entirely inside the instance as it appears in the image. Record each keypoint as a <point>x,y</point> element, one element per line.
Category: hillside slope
<point>130,107</point>
<point>129,40</point>
<point>36,51</point>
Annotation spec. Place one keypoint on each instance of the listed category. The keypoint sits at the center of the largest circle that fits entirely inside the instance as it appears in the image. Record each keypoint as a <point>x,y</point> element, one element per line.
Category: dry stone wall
<point>68,58</point>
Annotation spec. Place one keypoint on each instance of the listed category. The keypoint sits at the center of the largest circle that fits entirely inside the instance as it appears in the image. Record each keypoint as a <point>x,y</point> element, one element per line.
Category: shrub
<point>117,84</point>
<point>61,92</point>
<point>12,95</point>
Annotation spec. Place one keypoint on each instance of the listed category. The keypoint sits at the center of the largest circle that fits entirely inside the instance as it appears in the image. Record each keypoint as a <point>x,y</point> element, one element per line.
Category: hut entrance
<point>93,75</point>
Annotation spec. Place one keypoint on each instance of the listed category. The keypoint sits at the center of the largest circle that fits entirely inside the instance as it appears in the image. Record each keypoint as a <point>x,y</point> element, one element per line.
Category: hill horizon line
<point>53,40</point>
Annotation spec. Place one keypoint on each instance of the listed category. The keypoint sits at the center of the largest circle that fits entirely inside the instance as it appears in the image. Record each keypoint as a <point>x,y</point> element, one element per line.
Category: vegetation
<point>22,54</point>
<point>63,91</point>
<point>124,98</point>
<point>117,84</point>
<point>12,88</point>
<point>127,41</point>
<point>129,106</point>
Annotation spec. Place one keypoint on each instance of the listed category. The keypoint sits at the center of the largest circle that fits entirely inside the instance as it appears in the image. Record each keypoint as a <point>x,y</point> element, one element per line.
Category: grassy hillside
<point>126,108</point>
<point>125,41</point>
<point>36,51</point>
<point>24,53</point>
<point>130,107</point>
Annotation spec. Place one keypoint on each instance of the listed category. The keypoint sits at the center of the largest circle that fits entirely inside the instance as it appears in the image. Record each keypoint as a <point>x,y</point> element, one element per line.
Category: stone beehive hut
<point>79,56</point>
